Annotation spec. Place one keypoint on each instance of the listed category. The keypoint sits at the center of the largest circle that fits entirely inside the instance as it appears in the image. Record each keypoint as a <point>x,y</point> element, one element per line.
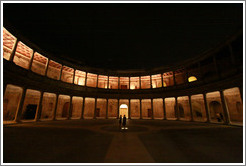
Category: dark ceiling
<point>125,36</point>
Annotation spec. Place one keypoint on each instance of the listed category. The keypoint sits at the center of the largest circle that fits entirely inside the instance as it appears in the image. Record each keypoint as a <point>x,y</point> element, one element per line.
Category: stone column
<point>97,82</point>
<point>70,108</point>
<point>118,82</point>
<point>11,58</point>
<point>141,116</point>
<point>129,109</point>
<point>164,109</point>
<point>95,109</point>
<point>54,114</point>
<point>31,60</point>
<point>108,83</point>
<point>140,83</point>
<point>38,114</point>
<point>162,84</point>
<point>20,106</point>
<point>73,75</point>
<point>107,109</point>
<point>86,78</point>
<point>152,108</point>
<point>177,108</point>
<point>118,108</point>
<point>225,111</point>
<point>206,107</point>
<point>191,112</point>
<point>61,72</point>
<point>46,67</point>
<point>174,79</point>
<point>129,82</point>
<point>83,109</point>
<point>151,82</point>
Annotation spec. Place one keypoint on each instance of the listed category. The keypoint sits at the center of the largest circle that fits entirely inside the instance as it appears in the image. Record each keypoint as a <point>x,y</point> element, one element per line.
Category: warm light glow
<point>192,78</point>
<point>123,106</point>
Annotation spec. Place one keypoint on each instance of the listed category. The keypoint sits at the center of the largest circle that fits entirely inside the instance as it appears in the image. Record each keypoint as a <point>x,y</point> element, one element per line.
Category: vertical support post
<point>107,109</point>
<point>70,108</point>
<point>97,82</point>
<point>191,111</point>
<point>31,60</point>
<point>129,109</point>
<point>225,111</point>
<point>162,84</point>
<point>174,79</point>
<point>206,107</point>
<point>86,78</point>
<point>95,109</point>
<point>177,108</point>
<point>83,109</point>
<point>129,83</point>
<point>140,82</point>
<point>20,106</point>
<point>11,58</point>
<point>73,76</point>
<point>108,83</point>
<point>151,81</point>
<point>164,109</point>
<point>118,82</point>
<point>38,114</point>
<point>152,108</point>
<point>46,67</point>
<point>141,115</point>
<point>118,108</point>
<point>55,110</point>
<point>61,72</point>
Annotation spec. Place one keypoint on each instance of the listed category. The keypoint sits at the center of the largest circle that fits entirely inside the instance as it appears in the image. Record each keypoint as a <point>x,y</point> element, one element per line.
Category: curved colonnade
<point>38,86</point>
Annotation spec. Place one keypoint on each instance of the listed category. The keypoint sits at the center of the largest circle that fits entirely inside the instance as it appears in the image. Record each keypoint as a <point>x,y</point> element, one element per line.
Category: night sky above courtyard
<point>124,36</point>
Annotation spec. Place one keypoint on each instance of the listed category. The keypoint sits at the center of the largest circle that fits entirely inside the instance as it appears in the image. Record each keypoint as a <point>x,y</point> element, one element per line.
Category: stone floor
<point>102,141</point>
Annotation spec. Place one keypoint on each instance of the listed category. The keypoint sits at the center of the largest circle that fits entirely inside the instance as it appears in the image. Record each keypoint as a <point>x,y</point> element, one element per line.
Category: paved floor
<point>102,141</point>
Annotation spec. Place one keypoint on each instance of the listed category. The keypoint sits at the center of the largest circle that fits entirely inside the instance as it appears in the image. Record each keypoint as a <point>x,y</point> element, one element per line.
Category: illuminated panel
<point>79,77</point>
<point>54,70</point>
<point>91,80</point>
<point>39,63</point>
<point>192,78</point>
<point>113,82</point>
<point>134,82</point>
<point>124,82</point>
<point>168,79</point>
<point>184,108</point>
<point>145,82</point>
<point>8,44</point>
<point>102,81</point>
<point>23,55</point>
<point>198,108</point>
<point>156,81</point>
<point>67,74</point>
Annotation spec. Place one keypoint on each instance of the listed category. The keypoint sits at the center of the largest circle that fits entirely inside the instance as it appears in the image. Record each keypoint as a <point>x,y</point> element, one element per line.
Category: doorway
<point>123,110</point>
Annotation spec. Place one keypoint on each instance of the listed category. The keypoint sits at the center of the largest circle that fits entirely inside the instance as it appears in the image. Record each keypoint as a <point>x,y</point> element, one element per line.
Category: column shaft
<point>162,85</point>
<point>31,60</point>
<point>129,109</point>
<point>61,72</point>
<point>225,111</point>
<point>97,82</point>
<point>140,83</point>
<point>86,78</point>
<point>108,83</point>
<point>164,109</point>
<point>38,114</point>
<point>54,114</point>
<point>46,67</point>
<point>191,112</point>
<point>20,106</point>
<point>83,109</point>
<point>107,109</point>
<point>206,107</point>
<point>11,58</point>
<point>141,116</point>
<point>73,75</point>
<point>95,109</point>
<point>70,108</point>
<point>151,82</point>
<point>152,108</point>
<point>118,108</point>
<point>177,108</point>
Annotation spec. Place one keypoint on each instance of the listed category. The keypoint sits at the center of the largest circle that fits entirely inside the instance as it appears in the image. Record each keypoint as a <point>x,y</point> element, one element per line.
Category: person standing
<point>124,121</point>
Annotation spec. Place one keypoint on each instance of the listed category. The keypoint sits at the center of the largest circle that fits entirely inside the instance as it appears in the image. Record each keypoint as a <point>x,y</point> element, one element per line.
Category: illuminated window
<point>192,78</point>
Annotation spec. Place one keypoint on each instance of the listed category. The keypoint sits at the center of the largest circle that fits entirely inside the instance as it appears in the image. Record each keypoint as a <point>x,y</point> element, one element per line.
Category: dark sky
<point>125,36</point>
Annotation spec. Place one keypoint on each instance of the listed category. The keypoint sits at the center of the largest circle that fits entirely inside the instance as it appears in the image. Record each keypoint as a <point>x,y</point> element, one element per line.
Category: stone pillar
<point>191,112</point>
<point>216,67</point>
<point>86,78</point>
<point>19,109</point>
<point>164,109</point>
<point>129,83</point>
<point>95,109</point>
<point>54,114</point>
<point>108,83</point>
<point>141,116</point>
<point>177,108</point>
<point>162,84</point>
<point>61,72</point>
<point>151,83</point>
<point>70,108</point>
<point>206,107</point>
<point>97,82</point>
<point>31,60</point>
<point>11,58</point>
<point>118,82</point>
<point>152,108</point>
<point>225,111</point>
<point>83,109</point>
<point>73,75</point>
<point>174,79</point>
<point>140,83</point>
<point>107,109</point>
<point>38,114</point>
<point>46,67</point>
<point>118,108</point>
<point>129,109</point>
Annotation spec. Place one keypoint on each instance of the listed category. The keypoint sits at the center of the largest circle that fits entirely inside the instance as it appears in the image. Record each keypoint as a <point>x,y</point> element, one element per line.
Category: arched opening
<point>216,111</point>
<point>192,78</point>
<point>123,110</point>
